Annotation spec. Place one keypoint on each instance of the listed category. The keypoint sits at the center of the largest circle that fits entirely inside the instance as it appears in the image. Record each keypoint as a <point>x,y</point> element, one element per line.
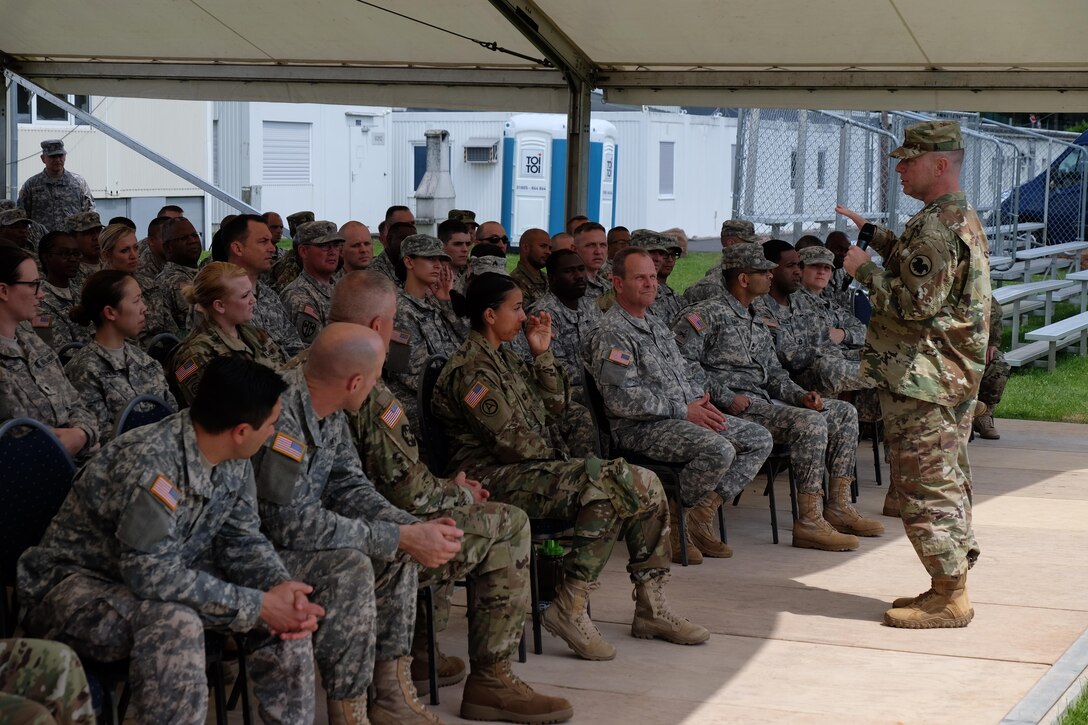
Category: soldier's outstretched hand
<point>852,215</point>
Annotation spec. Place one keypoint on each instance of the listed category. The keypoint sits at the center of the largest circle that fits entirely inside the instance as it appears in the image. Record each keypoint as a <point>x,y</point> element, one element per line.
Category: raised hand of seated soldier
<point>813,401</point>
<point>287,611</point>
<point>538,333</point>
<point>740,404</point>
<point>479,493</point>
<point>442,288</point>
<point>73,439</point>
<point>702,412</point>
<point>431,543</point>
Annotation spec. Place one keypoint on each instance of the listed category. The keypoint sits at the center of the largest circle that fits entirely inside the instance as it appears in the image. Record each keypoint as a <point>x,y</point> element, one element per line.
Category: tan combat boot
<point>907,601</point>
<point>494,692</point>
<point>945,605</point>
<point>348,712</point>
<point>694,555</point>
<point>811,530</point>
<point>568,619</point>
<point>653,618</point>
<point>891,501</point>
<point>701,524</point>
<point>451,670</point>
<point>841,514</point>
<point>984,423</point>
<point>395,699</point>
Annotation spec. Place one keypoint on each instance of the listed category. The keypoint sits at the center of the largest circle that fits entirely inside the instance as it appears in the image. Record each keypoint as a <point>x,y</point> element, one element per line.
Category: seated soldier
<point>288,267</point>
<point>591,242</point>
<point>728,343</point>
<point>307,297</point>
<point>734,231</point>
<point>167,309</point>
<point>59,257</point>
<point>502,416</point>
<point>159,540</point>
<point>85,227</point>
<point>534,246</point>
<point>494,553</point>
<point>656,409</point>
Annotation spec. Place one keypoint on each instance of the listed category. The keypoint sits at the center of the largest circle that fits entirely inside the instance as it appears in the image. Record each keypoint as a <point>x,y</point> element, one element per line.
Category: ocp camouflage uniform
<point>42,683</point>
<point>148,268</point>
<point>334,530</point>
<point>32,384</point>
<point>926,347</point>
<point>646,389</point>
<point>384,265</point>
<point>571,332</point>
<point>996,375</point>
<point>286,269</point>
<point>504,416</point>
<point>533,282</point>
<point>270,314</point>
<point>494,553</point>
<point>52,323</point>
<point>108,379</point>
<point>50,201</point>
<point>167,309</point>
<point>307,300</point>
<point>731,352</point>
<point>209,341</point>
<point>150,547</point>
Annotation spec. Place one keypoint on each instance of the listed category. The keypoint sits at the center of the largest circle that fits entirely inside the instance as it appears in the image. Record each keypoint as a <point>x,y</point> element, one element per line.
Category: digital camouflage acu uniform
<point>167,309</point>
<point>533,282</point>
<point>108,379</point>
<point>270,314</point>
<point>382,264</point>
<point>151,547</point>
<point>32,384</point>
<point>50,201</point>
<point>646,389</point>
<point>52,323</point>
<point>308,300</point>
<point>597,286</point>
<point>286,269</point>
<point>667,304</point>
<point>838,289</point>
<point>571,332</point>
<point>42,683</point>
<point>996,376</point>
<point>494,553</point>
<point>209,341</point>
<point>709,286</point>
<point>334,530</point>
<point>503,417</point>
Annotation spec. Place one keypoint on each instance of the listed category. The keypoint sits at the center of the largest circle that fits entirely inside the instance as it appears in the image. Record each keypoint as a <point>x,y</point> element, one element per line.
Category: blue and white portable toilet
<point>535,168</point>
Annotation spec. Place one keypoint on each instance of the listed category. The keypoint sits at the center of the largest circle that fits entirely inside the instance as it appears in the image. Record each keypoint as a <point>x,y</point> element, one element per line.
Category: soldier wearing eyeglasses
<point>167,310</point>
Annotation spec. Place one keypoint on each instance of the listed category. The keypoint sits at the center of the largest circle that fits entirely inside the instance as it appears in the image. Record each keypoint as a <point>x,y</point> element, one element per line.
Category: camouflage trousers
<point>931,473</point>
<point>369,606</point>
<point>602,499</point>
<point>830,375</point>
<point>994,379</point>
<point>725,462</point>
<point>817,438</point>
<point>494,558</point>
<point>42,682</point>
<point>164,642</point>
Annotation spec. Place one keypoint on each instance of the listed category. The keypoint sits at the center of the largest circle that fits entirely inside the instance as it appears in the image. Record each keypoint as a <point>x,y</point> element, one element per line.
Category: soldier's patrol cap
<point>649,240</point>
<point>83,221</point>
<point>6,204</point>
<point>319,232</point>
<point>465,216</point>
<point>423,245</point>
<point>297,219</point>
<point>12,217</point>
<point>745,256</point>
<point>742,229</point>
<point>817,255</point>
<point>53,147</point>
<point>921,138</point>
<point>484,265</point>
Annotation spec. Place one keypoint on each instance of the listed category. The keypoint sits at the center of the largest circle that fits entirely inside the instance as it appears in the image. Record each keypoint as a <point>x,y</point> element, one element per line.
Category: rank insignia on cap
<point>184,370</point>
<point>696,321</point>
<point>400,337</point>
<point>42,321</point>
<point>288,446</point>
<point>392,415</point>
<point>619,357</point>
<point>166,492</point>
<point>476,394</point>
<point>311,312</point>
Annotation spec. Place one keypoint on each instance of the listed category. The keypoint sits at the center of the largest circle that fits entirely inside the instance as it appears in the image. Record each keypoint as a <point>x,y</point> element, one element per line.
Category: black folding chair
<point>778,461</point>
<point>140,411</point>
<point>67,352</point>
<point>161,347</point>
<point>435,441</point>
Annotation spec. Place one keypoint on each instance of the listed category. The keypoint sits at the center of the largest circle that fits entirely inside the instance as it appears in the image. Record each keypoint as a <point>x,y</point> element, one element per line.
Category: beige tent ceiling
<point>873,54</point>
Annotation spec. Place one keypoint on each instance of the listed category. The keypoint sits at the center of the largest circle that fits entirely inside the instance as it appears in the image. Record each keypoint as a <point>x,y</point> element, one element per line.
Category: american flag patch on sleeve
<point>166,492</point>
<point>476,394</point>
<point>392,415</point>
<point>619,357</point>
<point>696,321</point>
<point>42,321</point>
<point>186,369</point>
<point>311,312</point>
<point>400,337</point>
<point>288,446</point>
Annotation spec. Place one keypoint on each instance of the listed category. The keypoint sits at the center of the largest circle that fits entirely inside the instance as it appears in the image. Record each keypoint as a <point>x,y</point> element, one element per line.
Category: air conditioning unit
<point>482,151</point>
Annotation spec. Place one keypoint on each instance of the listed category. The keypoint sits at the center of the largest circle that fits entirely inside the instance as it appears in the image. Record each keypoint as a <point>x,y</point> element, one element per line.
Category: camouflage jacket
<point>209,341</point>
<point>148,512</point>
<point>497,409</point>
<point>270,314</point>
<point>32,384</point>
<point>709,286</point>
<point>667,305</point>
<point>311,489</point>
<point>390,456</point>
<point>801,329</point>
<point>50,201</point>
<point>838,290</point>
<point>931,304</point>
<point>167,310</point>
<point>821,314</point>
<point>148,268</point>
<point>639,370</point>
<point>571,332</point>
<point>598,286</point>
<point>997,325</point>
<point>286,269</point>
<point>108,379</point>
<point>52,323</point>
<point>533,282</point>
<point>731,352</point>
<point>308,301</point>
<point>384,265</point>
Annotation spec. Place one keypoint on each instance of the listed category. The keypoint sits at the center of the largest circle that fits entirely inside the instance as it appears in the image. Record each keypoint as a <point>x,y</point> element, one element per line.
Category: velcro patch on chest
<point>619,357</point>
<point>288,446</point>
<point>166,492</point>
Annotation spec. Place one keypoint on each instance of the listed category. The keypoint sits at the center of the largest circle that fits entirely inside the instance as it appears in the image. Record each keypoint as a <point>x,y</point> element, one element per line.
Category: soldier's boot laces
<point>694,555</point>
<point>568,619</point>
<point>395,699</point>
<point>891,501</point>
<point>841,514</point>
<point>451,670</point>
<point>348,712</point>
<point>701,528</point>
<point>493,692</point>
<point>944,605</point>
<point>653,618</point>
<point>812,531</point>
<point>907,601</point>
<point>984,423</point>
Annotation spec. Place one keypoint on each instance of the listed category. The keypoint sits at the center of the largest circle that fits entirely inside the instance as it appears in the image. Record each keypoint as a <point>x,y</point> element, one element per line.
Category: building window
<point>286,157</point>
<point>419,164</point>
<point>30,108</point>
<point>666,168</point>
<point>821,168</point>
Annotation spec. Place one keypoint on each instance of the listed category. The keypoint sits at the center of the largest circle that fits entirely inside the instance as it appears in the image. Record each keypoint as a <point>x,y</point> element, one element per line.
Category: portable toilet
<point>535,168</point>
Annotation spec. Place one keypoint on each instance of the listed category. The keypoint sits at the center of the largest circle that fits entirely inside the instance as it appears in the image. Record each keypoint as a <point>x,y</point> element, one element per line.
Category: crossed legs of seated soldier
<point>817,439</point>
<point>717,466</point>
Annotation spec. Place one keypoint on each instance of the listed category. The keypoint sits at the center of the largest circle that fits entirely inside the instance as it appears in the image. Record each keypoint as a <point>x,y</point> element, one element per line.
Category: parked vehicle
<point>1058,197</point>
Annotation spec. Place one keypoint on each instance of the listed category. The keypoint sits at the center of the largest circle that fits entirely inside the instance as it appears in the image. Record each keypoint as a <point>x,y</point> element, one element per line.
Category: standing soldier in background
<point>926,347</point>
<point>55,194</point>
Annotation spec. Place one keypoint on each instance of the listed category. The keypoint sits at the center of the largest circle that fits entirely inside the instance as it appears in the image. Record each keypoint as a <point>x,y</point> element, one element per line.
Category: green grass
<point>1077,714</point>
